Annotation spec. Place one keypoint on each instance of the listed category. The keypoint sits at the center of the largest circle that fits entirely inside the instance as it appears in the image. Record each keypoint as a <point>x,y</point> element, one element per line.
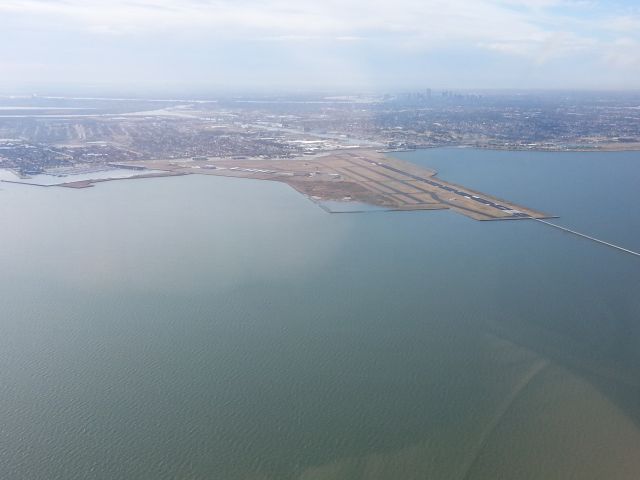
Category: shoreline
<point>557,150</point>
<point>595,149</point>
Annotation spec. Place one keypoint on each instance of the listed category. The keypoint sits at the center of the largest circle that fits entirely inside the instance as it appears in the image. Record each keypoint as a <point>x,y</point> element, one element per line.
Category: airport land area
<point>362,176</point>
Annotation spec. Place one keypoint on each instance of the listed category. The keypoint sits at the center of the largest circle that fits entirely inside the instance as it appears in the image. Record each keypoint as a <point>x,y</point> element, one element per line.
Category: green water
<point>211,328</point>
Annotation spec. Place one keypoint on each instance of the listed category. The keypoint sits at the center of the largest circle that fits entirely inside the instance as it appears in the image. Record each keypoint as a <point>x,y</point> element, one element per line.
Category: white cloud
<point>623,24</point>
<point>413,24</point>
<point>623,53</point>
<point>436,19</point>
<point>533,31</point>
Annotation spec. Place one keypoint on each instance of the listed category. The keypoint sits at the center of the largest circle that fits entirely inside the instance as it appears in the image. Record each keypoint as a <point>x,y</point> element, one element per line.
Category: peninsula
<point>354,175</point>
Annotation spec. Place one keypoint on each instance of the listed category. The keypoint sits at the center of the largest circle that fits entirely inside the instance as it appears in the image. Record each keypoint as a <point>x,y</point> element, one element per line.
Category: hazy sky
<point>330,44</point>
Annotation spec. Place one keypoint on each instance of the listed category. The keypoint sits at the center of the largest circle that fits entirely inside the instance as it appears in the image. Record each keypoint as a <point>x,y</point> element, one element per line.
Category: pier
<point>588,237</point>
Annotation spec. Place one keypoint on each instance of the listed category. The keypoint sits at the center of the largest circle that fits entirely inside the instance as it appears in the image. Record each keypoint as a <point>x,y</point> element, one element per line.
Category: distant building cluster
<point>100,133</point>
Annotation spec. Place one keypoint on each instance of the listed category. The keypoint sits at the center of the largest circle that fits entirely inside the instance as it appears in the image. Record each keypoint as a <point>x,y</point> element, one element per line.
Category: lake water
<point>209,328</point>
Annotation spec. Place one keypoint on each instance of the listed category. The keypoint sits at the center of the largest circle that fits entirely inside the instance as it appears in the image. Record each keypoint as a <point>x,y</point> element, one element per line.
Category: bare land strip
<point>356,175</point>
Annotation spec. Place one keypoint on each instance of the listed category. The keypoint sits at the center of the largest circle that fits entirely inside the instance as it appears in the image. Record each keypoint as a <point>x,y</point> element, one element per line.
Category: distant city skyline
<point>308,45</point>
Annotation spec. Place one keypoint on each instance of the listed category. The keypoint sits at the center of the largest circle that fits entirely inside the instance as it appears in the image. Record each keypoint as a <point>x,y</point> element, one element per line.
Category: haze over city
<point>165,45</point>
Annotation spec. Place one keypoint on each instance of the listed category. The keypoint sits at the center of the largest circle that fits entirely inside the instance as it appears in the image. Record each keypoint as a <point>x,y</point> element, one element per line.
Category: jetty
<point>589,237</point>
